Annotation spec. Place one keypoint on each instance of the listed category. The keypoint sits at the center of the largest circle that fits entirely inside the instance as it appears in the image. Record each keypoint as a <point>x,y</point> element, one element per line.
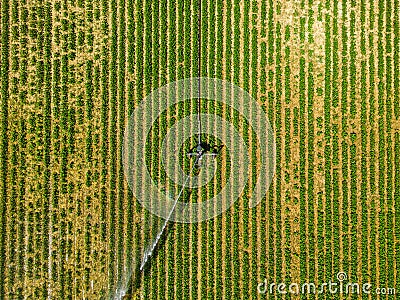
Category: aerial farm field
<point>326,73</point>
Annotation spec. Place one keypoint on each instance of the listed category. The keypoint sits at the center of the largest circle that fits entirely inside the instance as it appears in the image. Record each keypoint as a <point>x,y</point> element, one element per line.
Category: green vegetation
<point>72,73</point>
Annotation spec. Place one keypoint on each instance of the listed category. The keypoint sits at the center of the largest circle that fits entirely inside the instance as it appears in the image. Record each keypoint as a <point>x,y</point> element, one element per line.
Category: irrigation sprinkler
<point>200,151</point>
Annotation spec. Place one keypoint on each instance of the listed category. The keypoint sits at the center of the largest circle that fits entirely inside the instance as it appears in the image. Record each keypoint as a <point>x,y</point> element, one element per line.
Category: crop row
<point>302,145</point>
<point>112,143</point>
<point>22,142</point>
<point>310,158</point>
<point>384,150</point>
<point>396,101</point>
<point>121,127</point>
<point>10,257</point>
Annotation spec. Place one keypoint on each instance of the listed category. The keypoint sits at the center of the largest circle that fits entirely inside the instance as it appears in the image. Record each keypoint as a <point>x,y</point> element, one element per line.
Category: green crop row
<point>176,49</point>
<point>268,58</point>
<point>396,141</point>
<point>254,234</point>
<point>210,192</point>
<point>121,127</point>
<point>208,20</point>
<point>188,31</point>
<point>346,218</point>
<point>132,238</point>
<point>396,56</point>
<point>22,142</point>
<point>372,141</point>
<point>235,249</point>
<point>185,260</point>
<point>364,175</point>
<point>228,49</point>
<point>172,62</point>
<point>218,236</point>
<point>383,103</point>
<point>193,282</point>
<point>235,44</point>
<point>210,255</point>
<point>157,76</point>
<point>253,85</point>
<point>345,68</point>
<point>47,141</point>
<point>220,32</point>
<point>180,48</point>
<point>144,48</point>
<point>204,247</point>
<point>245,49</point>
<point>353,159</point>
<point>89,155</point>
<point>396,257</point>
<point>353,209</point>
<point>390,250</point>
<point>71,139</point>
<point>104,124</point>
<point>56,141</point>
<point>151,82</point>
<point>363,21</point>
<point>331,62</point>
<point>37,238</point>
<point>170,261</point>
<point>310,157</point>
<point>12,203</point>
<point>285,147</point>
<point>218,271</point>
<point>353,65</point>
<point>62,132</point>
<point>302,146</point>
